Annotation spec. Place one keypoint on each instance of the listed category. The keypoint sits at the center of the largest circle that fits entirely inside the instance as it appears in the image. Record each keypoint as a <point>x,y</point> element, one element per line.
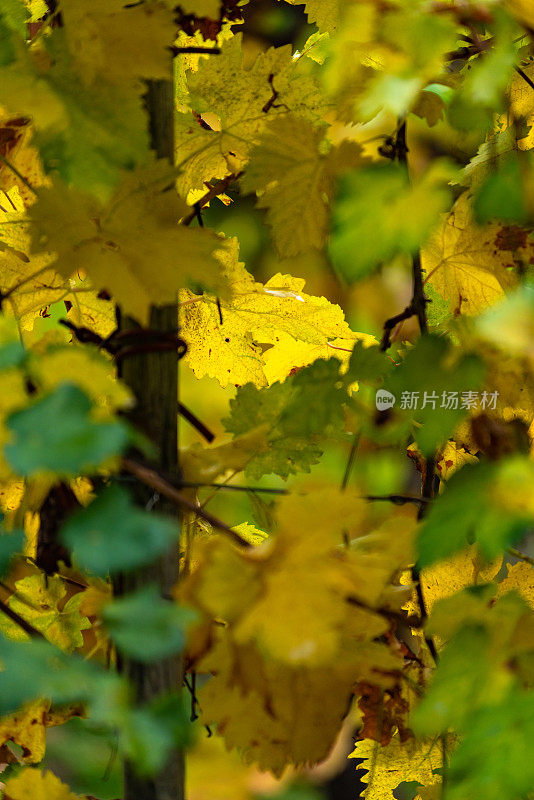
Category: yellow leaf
<point>87,368</point>
<point>520,578</point>
<point>256,319</point>
<point>456,573</point>
<point>522,10</point>
<point>521,101</point>
<point>239,102</point>
<point>325,13</point>
<point>295,182</point>
<point>37,785</point>
<point>118,41</point>
<point>293,595</point>
<point>118,244</point>
<point>38,599</point>
<point>206,464</point>
<point>465,263</point>
<point>397,762</point>
<point>27,727</point>
<point>215,773</point>
<point>279,715</point>
<point>250,533</point>
<point>452,459</point>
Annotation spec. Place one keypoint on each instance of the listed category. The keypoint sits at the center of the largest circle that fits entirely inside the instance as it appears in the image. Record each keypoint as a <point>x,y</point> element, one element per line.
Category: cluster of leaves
<point>417,610</point>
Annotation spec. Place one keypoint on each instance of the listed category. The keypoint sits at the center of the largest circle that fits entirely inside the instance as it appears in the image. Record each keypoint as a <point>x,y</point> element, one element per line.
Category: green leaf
<point>368,364</point>
<point>432,371</point>
<point>147,627</point>
<point>460,683</point>
<point>494,758</point>
<point>501,196</point>
<point>36,668</point>
<point>56,435</point>
<point>378,215</point>
<point>11,543</point>
<point>112,534</point>
<point>484,502</point>
<point>12,354</point>
<point>299,413</point>
<point>154,730</point>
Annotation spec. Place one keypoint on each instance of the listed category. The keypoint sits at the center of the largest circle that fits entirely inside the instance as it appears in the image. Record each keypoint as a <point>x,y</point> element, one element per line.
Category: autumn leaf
<point>239,103</point>
<point>468,265</point>
<point>27,727</point>
<point>40,601</point>
<point>256,319</point>
<point>122,42</point>
<point>398,762</point>
<point>37,785</point>
<point>295,181</point>
<point>117,244</point>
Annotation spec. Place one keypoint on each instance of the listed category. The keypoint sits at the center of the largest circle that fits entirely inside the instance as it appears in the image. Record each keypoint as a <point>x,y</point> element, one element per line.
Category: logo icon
<point>384,400</point>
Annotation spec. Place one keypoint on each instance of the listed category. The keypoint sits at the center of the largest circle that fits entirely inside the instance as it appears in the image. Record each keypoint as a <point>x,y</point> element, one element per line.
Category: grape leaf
<point>138,536</point>
<point>486,502</point>
<point>274,714</point>
<point>31,782</point>
<point>325,13</point>
<point>239,102</point>
<point>469,265</point>
<point>294,439</point>
<point>117,244</point>
<point>147,627</point>
<point>295,181</point>
<point>396,762</point>
<point>256,319</point>
<point>27,727</point>
<point>79,445</point>
<point>432,370</point>
<point>87,134</point>
<point>378,214</point>
<point>118,41</point>
<point>38,600</point>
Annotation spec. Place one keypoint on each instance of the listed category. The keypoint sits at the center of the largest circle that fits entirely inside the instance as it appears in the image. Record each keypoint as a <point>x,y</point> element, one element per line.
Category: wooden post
<point>153,379</point>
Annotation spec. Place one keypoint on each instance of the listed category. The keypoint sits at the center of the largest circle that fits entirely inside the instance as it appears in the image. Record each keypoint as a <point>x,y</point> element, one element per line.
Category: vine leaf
<point>398,762</point>
<point>31,782</point>
<point>295,182</point>
<point>118,243</point>
<point>259,321</point>
<point>235,100</point>
<point>467,264</point>
<point>39,600</point>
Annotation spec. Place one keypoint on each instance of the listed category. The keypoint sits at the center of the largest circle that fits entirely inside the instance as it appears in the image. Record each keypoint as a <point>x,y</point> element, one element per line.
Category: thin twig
<point>232,487</point>
<point>15,171</point>
<point>213,51</point>
<point>413,621</point>
<point>525,77</point>
<point>350,461</point>
<point>210,195</point>
<point>398,499</point>
<point>521,556</point>
<point>153,479</point>
<point>195,422</point>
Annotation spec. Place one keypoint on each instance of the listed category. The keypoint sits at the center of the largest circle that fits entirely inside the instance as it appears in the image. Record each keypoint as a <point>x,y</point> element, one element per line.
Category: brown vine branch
<point>157,482</point>
<point>214,51</point>
<point>412,620</point>
<point>521,556</point>
<point>217,189</point>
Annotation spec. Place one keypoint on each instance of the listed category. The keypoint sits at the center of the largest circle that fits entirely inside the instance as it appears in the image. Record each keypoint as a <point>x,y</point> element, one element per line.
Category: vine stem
<point>158,483</point>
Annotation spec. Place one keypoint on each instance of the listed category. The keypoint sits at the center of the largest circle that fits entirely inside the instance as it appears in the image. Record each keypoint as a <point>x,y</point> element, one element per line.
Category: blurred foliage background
<point>85,757</point>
